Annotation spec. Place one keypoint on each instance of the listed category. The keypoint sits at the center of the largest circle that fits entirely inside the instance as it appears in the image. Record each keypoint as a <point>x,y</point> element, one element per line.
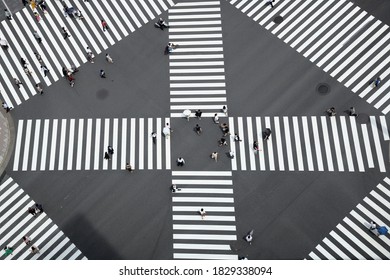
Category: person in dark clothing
<point>267,133</point>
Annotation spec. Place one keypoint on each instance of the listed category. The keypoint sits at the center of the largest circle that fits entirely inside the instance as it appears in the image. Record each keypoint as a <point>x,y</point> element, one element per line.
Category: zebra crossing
<point>351,238</point>
<point>338,36</point>
<point>16,222</point>
<point>122,17</point>
<point>80,144</point>
<point>210,237</point>
<point>313,143</point>
<point>197,73</point>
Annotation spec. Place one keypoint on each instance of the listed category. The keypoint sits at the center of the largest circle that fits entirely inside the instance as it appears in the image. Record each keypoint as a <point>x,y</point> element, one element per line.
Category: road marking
<point>36,145</point>
<point>27,145</point>
<point>347,246</point>
<point>367,146</point>
<point>159,143</point>
<point>132,142</point>
<point>261,144</point>
<point>204,256</point>
<point>201,182</point>
<point>377,143</point>
<point>80,144</point>
<point>97,157</point>
<point>62,145</point>
<point>88,143</point>
<point>141,144</point>
<point>115,144</point>
<point>242,143</point>
<point>53,144</point>
<point>201,173</point>
<point>269,145</point>
<point>347,146</point>
<point>298,146</point>
<point>232,144</point>
<point>70,144</point>
<point>336,249</point>
<point>327,143</point>
<point>167,149</point>
<point>317,143</point>
<point>337,144</point>
<point>279,144</point>
<point>251,150</point>
<point>150,143</point>
<point>203,199</point>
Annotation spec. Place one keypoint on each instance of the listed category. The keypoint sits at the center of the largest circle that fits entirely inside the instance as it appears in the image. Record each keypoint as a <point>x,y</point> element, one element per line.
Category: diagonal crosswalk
<point>210,237</point>
<point>80,144</point>
<point>16,222</point>
<point>197,73</point>
<point>351,239</point>
<point>339,37</point>
<point>122,17</point>
<point>313,143</point>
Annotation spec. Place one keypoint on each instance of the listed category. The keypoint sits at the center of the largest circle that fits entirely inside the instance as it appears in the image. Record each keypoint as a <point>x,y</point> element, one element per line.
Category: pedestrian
<point>37,37</point>
<point>154,137</point>
<point>43,7</point>
<point>225,129</point>
<point>39,207</point>
<point>8,251</point>
<point>214,156</point>
<point>198,114</point>
<point>17,82</point>
<point>270,3</point>
<point>174,188</point>
<point>108,58</point>
<point>129,167</point>
<point>27,71</point>
<point>33,4</point>
<point>6,107</point>
<point>237,138</point>
<point>34,249</point>
<point>65,71</point>
<point>222,142</point>
<point>44,70</point>
<point>26,239</point>
<point>331,111</point>
<point>106,156</point>
<point>65,33</point>
<point>180,161</point>
<point>225,110</point>
<point>23,61</point>
<point>216,118</point>
<point>32,211</point>
<point>202,213</point>
<point>37,16</point>
<point>372,225</point>
<point>39,58</point>
<point>352,112</point>
<point>267,133</point>
<point>231,154</point>
<point>71,79</point>
<point>198,129</point>
<point>90,55</point>
<point>102,74</point>
<point>161,24</point>
<point>7,14</point>
<point>110,150</point>
<point>255,146</point>
<point>167,130</point>
<point>249,238</point>
<point>104,25</point>
<point>24,2</point>
<point>375,83</point>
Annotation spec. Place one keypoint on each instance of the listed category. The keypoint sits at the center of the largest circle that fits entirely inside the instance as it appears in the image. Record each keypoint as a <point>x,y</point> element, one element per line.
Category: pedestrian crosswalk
<point>16,222</point>
<point>80,144</point>
<point>339,37</point>
<point>209,237</point>
<point>351,239</point>
<point>338,143</point>
<point>197,73</point>
<point>122,17</point>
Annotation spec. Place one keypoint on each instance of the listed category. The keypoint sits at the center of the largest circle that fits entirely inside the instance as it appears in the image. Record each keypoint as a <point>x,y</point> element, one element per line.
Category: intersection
<point>230,53</point>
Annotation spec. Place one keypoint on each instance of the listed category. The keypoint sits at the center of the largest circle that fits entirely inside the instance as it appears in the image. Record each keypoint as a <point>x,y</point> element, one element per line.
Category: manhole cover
<point>323,89</point>
<point>278,19</point>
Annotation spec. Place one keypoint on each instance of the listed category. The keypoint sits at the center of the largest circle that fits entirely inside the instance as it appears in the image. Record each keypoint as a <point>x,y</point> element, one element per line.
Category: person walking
<point>225,110</point>
<point>180,161</point>
<point>174,188</point>
<point>6,107</point>
<point>352,112</point>
<point>39,89</point>
<point>24,2</point>
<point>90,55</point>
<point>27,71</point>
<point>198,114</point>
<point>214,156</point>
<point>225,129</point>
<point>110,150</point>
<point>8,251</point>
<point>32,211</point>
<point>231,155</point>
<point>104,25</point>
<point>7,14</point>
<point>39,58</point>
<point>106,156</point>
<point>129,167</point>
<point>71,79</point>
<point>35,249</point>
<point>33,4</point>
<point>39,207</point>
<point>267,133</point>
<point>37,16</point>
<point>17,82</point>
<point>376,82</point>
<point>255,146</point>
<point>249,237</point>
<point>37,36</point>
<point>216,118</point>
<point>237,138</point>
<point>44,70</point>
<point>26,239</point>
<point>198,129</point>
<point>202,213</point>
<point>167,130</point>
<point>222,142</point>
<point>331,111</point>
<point>102,74</point>
<point>270,3</point>
<point>108,58</point>
<point>23,62</point>
<point>65,33</point>
<point>154,137</point>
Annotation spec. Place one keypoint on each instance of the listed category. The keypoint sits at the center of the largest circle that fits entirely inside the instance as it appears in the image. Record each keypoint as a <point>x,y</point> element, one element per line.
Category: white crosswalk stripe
<point>122,18</point>
<point>16,222</point>
<point>197,81</point>
<point>338,36</point>
<point>80,144</point>
<point>352,239</point>
<point>331,142</point>
<point>209,237</point>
